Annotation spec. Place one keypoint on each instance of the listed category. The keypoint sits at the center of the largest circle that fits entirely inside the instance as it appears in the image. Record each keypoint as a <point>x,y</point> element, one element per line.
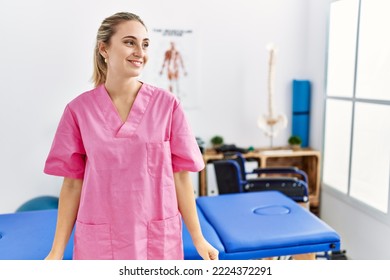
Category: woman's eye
<point>130,43</point>
<point>146,45</point>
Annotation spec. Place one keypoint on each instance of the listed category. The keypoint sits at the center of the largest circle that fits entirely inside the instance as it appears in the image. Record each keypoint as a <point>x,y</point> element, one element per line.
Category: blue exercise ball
<point>39,203</point>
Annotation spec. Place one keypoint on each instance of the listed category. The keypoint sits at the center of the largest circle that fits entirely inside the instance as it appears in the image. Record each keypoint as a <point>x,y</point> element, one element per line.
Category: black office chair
<point>232,178</point>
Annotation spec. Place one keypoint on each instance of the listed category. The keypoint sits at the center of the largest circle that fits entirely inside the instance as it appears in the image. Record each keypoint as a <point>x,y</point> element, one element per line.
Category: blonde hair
<point>106,30</point>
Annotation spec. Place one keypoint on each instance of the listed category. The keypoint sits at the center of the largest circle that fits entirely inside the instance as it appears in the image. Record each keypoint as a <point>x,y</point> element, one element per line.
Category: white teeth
<point>136,62</point>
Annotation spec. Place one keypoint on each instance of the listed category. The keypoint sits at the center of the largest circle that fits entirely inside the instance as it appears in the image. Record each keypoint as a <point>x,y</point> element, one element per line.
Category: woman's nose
<point>139,51</point>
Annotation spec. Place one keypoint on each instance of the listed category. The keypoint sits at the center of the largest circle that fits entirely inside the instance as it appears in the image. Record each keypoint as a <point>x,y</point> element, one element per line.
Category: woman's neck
<point>125,89</point>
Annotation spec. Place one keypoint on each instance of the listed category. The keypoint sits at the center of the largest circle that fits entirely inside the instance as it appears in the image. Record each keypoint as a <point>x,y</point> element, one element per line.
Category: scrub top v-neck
<point>128,207</point>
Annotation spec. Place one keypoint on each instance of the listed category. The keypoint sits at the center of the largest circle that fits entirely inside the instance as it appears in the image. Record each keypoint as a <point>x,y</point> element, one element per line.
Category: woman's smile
<point>136,63</point>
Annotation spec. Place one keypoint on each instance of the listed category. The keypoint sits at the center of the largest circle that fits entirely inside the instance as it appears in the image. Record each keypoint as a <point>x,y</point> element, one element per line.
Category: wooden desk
<point>305,159</point>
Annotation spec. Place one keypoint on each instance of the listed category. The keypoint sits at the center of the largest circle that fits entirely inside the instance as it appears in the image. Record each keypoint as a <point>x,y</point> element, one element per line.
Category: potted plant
<point>216,141</point>
<point>295,142</point>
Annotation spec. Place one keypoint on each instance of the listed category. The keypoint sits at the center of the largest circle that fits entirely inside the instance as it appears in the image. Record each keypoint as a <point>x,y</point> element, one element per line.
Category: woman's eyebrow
<point>135,38</point>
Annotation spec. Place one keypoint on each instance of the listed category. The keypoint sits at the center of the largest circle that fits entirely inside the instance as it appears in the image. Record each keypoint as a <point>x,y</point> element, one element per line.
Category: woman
<point>125,151</point>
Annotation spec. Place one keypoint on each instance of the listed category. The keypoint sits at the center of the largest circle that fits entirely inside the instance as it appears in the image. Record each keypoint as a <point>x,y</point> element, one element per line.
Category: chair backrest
<point>237,157</point>
<point>290,186</point>
<point>228,175</point>
<point>295,186</point>
<point>292,170</point>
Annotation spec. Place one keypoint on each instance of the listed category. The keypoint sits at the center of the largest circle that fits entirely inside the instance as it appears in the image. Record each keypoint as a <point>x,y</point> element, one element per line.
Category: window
<point>357,114</point>
<point>337,144</point>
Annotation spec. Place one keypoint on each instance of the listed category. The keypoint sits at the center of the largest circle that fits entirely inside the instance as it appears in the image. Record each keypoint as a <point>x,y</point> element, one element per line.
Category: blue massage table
<point>241,226</point>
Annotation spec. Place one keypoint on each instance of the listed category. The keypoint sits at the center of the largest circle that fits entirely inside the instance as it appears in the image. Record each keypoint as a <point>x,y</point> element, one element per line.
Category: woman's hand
<point>54,256</point>
<point>205,250</point>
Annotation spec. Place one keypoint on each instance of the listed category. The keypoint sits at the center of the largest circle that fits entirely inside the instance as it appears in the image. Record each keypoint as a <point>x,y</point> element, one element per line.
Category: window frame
<point>346,197</point>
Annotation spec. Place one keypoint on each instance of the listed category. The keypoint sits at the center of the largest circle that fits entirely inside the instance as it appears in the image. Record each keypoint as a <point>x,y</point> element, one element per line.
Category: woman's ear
<point>103,50</point>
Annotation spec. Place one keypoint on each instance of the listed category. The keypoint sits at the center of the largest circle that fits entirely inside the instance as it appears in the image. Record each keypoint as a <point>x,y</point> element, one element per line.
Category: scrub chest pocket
<point>159,159</point>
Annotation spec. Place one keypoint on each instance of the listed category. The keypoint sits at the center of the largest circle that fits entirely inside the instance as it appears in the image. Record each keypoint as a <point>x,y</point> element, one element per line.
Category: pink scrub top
<point>128,207</point>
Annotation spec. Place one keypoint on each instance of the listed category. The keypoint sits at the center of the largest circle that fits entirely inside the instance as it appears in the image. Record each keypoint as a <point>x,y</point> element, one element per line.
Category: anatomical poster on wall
<point>173,63</point>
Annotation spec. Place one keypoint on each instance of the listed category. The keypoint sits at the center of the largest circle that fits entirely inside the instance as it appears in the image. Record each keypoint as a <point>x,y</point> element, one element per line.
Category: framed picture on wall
<point>173,63</point>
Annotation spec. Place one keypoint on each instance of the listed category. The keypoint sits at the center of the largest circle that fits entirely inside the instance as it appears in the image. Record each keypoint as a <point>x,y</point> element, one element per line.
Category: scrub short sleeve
<point>185,151</point>
<point>67,154</point>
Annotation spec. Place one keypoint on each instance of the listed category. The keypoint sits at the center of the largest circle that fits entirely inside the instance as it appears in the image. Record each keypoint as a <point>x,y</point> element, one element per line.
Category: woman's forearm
<point>67,212</point>
<point>187,206</point>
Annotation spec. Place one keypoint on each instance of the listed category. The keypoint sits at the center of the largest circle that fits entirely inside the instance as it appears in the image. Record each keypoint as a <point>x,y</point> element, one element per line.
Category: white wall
<point>364,237</point>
